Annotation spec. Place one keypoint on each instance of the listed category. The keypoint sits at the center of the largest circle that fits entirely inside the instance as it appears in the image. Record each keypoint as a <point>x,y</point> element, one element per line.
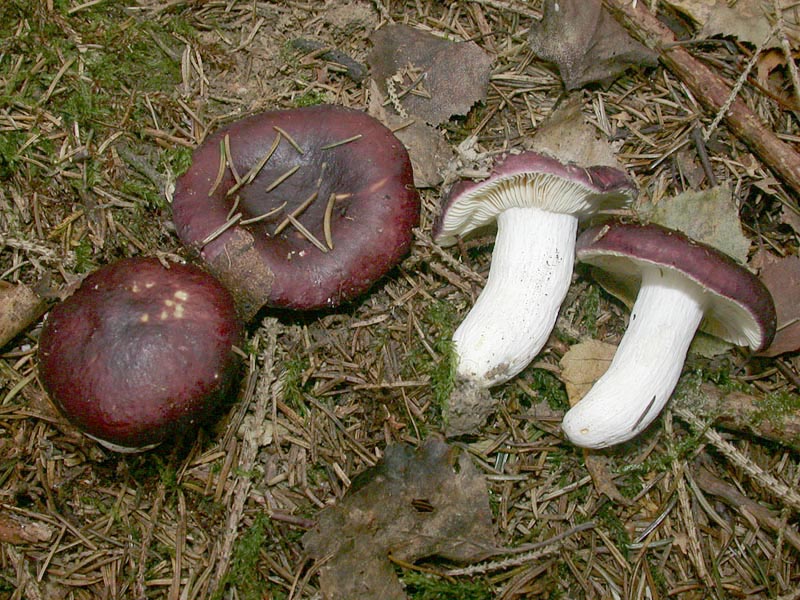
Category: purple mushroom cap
<point>548,184</point>
<point>324,206</point>
<point>739,308</point>
<point>140,352</point>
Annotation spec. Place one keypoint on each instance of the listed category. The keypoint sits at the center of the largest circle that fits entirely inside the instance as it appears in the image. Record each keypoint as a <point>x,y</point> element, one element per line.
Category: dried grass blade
<point>289,139</point>
<point>326,222</point>
<point>307,234</point>
<point>221,229</point>
<point>234,172</point>
<point>295,213</point>
<point>281,178</point>
<point>250,176</point>
<point>332,145</point>
<point>266,215</point>
<point>223,161</point>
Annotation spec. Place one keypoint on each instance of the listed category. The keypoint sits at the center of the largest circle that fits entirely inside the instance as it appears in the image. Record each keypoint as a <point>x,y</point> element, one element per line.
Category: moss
<point>244,573</point>
<point>83,256</point>
<point>548,387</point>
<point>311,98</point>
<point>590,308</point>
<point>294,387</point>
<point>420,586</point>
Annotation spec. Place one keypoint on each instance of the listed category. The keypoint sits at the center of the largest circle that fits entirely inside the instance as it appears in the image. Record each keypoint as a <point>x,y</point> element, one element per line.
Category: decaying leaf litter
<point>92,140</point>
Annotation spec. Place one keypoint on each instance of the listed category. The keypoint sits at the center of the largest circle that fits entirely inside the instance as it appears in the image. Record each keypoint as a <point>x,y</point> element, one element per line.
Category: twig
<point>711,484</point>
<point>742,412</point>
<point>710,89</point>
<point>520,556</point>
<point>247,457</point>
<point>737,87</point>
<point>769,482</point>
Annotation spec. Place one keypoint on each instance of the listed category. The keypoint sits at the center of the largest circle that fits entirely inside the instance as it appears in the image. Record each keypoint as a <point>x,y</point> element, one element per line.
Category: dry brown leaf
<point>427,147</point>
<point>791,218</point>
<point>582,365</point>
<point>746,20</point>
<point>586,43</point>
<point>432,78</point>
<point>416,503</point>
<point>709,216</point>
<point>782,278</point>
<point>567,135</point>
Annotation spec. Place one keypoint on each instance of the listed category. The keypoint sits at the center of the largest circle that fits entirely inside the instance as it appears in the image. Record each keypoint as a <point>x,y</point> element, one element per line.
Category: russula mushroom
<point>536,201</point>
<point>140,353</point>
<point>682,285</point>
<point>303,208</point>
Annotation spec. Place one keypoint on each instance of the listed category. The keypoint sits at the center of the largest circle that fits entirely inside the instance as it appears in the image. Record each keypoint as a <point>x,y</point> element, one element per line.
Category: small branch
<point>768,481</point>
<point>20,307</point>
<point>260,395</point>
<point>709,88</point>
<point>711,484</point>
<point>741,412</point>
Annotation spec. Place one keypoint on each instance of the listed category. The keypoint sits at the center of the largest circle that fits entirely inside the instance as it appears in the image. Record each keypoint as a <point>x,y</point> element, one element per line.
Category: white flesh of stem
<point>528,279</point>
<point>646,365</point>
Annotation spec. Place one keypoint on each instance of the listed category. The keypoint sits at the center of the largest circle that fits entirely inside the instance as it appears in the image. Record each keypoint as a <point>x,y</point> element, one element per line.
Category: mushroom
<point>140,352</point>
<point>682,285</point>
<point>303,208</point>
<point>537,202</point>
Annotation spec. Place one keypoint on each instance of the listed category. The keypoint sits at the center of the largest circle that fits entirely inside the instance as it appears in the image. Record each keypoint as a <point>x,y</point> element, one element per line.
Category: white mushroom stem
<point>646,365</point>
<point>528,279</point>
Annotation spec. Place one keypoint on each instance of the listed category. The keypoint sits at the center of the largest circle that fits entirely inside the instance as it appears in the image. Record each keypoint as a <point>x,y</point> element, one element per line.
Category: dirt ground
<point>101,103</point>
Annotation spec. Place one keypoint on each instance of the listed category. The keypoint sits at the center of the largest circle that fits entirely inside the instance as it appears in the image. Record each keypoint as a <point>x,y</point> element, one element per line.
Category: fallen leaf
<point>414,504</point>
<point>781,275</point>
<point>708,216</point>
<point>582,365</point>
<point>791,218</point>
<point>586,43</point>
<point>427,76</point>
<point>567,135</point>
<point>746,20</point>
<point>766,63</point>
<point>427,147</point>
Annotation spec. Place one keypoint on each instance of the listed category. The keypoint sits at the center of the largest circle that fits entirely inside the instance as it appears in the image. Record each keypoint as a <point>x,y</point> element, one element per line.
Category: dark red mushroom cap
<point>140,352</point>
<point>530,179</point>
<point>738,307</point>
<point>335,172</point>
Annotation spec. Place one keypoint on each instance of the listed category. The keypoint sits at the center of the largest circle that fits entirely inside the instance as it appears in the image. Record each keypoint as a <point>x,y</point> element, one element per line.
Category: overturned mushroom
<point>682,286</point>
<point>303,208</point>
<point>536,202</point>
<point>140,352</point>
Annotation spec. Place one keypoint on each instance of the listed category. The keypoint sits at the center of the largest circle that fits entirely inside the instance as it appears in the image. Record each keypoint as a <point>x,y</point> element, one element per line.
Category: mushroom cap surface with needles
<point>302,208</point>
